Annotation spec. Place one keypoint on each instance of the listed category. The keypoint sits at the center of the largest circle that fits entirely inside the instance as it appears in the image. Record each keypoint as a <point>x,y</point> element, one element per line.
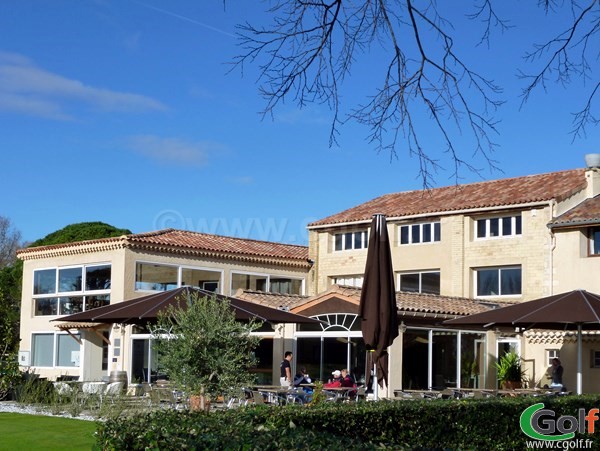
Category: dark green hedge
<point>443,424</point>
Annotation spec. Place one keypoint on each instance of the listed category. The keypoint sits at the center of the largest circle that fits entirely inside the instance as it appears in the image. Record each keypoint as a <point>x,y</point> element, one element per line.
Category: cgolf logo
<point>540,424</point>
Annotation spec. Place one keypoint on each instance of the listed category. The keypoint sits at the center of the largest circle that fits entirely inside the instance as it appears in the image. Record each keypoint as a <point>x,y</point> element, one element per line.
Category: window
<point>499,227</point>
<point>595,241</point>
<point>351,240</point>
<point>504,281</point>
<point>350,281</point>
<point>267,283</point>
<point>551,354</point>
<point>595,363</point>
<point>60,350</point>
<point>420,282</point>
<point>63,291</point>
<point>157,277</point>
<point>427,232</point>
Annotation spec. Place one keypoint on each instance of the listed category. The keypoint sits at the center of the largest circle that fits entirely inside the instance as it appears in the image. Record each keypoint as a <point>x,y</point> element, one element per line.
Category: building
<point>63,279</point>
<point>456,250</point>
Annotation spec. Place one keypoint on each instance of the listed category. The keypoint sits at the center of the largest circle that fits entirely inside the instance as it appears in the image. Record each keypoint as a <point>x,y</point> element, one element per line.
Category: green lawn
<point>37,432</point>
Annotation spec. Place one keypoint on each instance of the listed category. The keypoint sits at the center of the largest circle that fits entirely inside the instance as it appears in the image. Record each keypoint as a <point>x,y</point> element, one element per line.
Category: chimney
<point>592,174</point>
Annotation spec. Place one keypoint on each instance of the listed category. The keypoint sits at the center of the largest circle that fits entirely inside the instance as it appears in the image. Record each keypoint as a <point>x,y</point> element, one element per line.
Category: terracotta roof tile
<point>587,212</point>
<point>504,192</point>
<point>274,300</point>
<point>221,244</point>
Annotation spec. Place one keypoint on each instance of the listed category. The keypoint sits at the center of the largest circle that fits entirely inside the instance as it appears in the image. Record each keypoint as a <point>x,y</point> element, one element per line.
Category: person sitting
<point>348,381</point>
<point>336,382</point>
<point>302,378</point>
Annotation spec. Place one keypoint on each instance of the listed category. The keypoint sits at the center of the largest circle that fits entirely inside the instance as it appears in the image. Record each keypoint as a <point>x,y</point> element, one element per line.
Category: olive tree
<point>203,348</point>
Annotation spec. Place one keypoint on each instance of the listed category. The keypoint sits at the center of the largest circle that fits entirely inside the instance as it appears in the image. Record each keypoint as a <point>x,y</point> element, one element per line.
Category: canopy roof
<point>145,309</point>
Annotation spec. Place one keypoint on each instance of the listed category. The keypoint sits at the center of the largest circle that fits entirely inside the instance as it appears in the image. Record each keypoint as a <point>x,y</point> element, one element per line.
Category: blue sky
<point>126,112</point>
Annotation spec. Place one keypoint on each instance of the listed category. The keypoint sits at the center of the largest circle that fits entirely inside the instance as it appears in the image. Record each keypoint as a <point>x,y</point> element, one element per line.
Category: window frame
<point>268,280</point>
<point>516,224</point>
<point>499,269</point>
<point>357,280</point>
<point>552,353</point>
<point>179,269</point>
<point>364,240</point>
<point>420,274</point>
<point>58,297</point>
<point>592,231</point>
<point>55,349</point>
<point>435,231</point>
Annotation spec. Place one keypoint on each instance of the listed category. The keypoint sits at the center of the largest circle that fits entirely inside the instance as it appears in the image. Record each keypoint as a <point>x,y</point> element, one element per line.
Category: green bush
<point>438,424</point>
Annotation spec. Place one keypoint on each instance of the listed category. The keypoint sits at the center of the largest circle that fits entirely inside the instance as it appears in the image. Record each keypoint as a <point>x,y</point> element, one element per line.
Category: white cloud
<point>27,89</point>
<point>173,150</point>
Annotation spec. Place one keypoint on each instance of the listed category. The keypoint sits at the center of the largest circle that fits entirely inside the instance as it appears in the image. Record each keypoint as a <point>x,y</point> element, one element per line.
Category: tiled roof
<point>274,300</point>
<point>217,243</point>
<point>423,303</point>
<point>496,193</point>
<point>183,242</point>
<point>587,212</point>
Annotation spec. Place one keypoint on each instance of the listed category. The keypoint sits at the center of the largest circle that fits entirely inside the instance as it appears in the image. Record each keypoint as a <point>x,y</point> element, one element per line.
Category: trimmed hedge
<point>438,424</point>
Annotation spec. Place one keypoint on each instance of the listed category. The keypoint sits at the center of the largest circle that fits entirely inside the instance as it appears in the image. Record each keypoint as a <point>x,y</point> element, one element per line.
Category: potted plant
<point>510,373</point>
<point>204,350</point>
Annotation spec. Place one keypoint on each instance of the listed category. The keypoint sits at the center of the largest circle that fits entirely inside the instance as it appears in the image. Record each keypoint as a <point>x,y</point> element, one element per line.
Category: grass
<point>37,432</point>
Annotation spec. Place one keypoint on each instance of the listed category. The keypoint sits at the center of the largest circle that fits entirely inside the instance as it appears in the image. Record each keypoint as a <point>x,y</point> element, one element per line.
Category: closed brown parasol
<point>378,311</point>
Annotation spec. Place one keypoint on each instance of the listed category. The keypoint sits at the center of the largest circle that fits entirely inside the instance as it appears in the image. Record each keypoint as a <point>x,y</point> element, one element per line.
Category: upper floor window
<point>351,240</point>
<point>501,281</point>
<point>350,281</point>
<point>594,240</point>
<point>63,291</point>
<point>265,282</point>
<point>156,277</point>
<point>499,226</point>
<point>427,232</point>
<point>420,282</point>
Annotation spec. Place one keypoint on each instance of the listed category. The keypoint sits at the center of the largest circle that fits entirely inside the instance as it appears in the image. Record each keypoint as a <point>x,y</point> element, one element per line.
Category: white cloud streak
<point>173,151</point>
<point>28,89</point>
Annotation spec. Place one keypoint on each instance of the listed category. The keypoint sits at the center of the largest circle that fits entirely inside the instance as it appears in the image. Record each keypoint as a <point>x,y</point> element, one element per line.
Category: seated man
<point>336,382</point>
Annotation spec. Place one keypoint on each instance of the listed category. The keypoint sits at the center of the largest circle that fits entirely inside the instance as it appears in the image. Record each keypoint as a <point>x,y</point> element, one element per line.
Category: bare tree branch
<point>10,241</point>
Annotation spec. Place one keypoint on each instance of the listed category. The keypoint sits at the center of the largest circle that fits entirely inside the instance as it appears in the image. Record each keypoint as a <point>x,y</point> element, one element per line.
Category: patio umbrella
<point>143,310</point>
<point>378,311</point>
<point>575,310</point>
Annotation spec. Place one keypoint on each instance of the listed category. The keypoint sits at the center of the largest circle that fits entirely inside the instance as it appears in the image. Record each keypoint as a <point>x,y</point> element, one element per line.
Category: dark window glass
<point>92,302</point>
<point>44,281</point>
<point>339,239</point>
<point>409,282</point>
<point>595,236</point>
<point>481,228</point>
<point>404,235</point>
<point>487,282</point>
<point>426,233</point>
<point>46,306</point>
<point>358,244</point>
<point>416,233</point>
<point>97,277</point>
<point>348,241</point>
<point>436,231</point>
<point>494,227</point>
<point>510,281</point>
<point>69,279</point>
<point>507,226</point>
<point>518,225</point>
<point>430,282</point>
<point>71,304</point>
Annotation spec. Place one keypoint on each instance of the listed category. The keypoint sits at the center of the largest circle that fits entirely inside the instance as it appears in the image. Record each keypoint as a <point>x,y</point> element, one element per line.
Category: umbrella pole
<point>579,364</point>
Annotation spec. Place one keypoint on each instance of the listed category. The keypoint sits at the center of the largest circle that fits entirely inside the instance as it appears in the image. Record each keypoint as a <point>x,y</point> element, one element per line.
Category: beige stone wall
<point>574,268</point>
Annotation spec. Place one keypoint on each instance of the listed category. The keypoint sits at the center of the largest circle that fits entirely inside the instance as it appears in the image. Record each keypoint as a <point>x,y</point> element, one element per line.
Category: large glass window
<point>50,350</point>
<point>153,277</point>
<point>503,281</point>
<point>427,232</point>
<point>248,282</point>
<point>207,280</point>
<point>595,241</point>
<point>351,240</point>
<point>284,285</point>
<point>420,282</point>
<point>265,282</point>
<point>350,281</point>
<point>88,286</point>
<point>499,226</point>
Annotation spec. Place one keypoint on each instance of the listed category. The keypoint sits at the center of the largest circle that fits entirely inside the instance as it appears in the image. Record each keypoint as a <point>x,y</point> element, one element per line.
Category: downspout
<point>552,205</point>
